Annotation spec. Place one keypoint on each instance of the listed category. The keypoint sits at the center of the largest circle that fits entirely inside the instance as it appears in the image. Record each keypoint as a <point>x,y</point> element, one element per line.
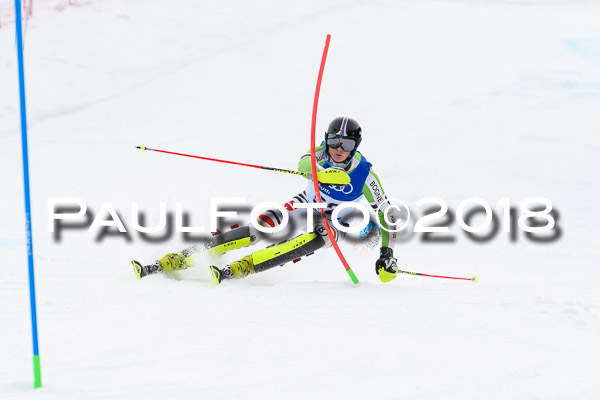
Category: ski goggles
<point>335,141</point>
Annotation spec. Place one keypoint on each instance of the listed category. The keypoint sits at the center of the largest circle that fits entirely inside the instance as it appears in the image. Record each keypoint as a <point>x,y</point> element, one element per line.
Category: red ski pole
<point>330,176</point>
<point>474,278</point>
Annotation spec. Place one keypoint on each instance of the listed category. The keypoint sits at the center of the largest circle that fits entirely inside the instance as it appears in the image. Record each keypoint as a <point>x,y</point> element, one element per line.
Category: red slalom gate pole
<point>474,278</point>
<point>313,164</point>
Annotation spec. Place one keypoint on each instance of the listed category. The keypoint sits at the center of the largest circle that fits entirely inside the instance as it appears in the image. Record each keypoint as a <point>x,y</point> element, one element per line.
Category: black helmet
<point>344,128</point>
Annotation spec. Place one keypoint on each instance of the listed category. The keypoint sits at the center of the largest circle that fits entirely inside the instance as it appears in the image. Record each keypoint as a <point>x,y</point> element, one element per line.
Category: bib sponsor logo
<point>376,192</point>
<point>343,189</point>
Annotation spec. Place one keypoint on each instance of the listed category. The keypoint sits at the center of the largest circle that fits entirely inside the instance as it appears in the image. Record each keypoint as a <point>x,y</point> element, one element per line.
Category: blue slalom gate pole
<point>37,373</point>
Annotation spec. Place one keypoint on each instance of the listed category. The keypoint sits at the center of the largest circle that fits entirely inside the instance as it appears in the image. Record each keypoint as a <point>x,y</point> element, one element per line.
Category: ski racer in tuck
<point>339,150</point>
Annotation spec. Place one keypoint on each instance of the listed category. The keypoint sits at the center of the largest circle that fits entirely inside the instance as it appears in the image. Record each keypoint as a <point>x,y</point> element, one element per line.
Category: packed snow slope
<point>457,99</point>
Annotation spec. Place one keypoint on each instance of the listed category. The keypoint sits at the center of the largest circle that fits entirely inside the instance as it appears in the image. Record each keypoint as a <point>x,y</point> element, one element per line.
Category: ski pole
<point>474,278</point>
<point>330,176</point>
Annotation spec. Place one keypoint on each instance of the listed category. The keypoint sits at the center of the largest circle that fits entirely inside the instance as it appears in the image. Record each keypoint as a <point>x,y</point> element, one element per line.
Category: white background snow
<point>456,99</point>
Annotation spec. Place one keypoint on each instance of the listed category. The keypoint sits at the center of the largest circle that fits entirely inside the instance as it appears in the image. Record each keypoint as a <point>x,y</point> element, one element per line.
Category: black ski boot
<point>220,274</point>
<point>143,270</point>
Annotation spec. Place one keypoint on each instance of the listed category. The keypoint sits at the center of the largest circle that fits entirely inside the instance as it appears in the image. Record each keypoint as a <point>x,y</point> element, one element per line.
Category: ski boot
<point>168,263</point>
<point>235,270</point>
<point>144,270</point>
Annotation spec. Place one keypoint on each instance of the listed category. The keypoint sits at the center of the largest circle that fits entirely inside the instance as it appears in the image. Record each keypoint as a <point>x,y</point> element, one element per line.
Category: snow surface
<point>456,98</point>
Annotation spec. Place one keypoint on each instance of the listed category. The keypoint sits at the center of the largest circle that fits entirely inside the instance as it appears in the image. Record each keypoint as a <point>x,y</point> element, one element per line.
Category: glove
<point>386,266</point>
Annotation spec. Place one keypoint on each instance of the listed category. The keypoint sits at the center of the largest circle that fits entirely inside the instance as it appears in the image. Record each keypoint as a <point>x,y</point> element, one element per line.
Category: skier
<point>339,150</point>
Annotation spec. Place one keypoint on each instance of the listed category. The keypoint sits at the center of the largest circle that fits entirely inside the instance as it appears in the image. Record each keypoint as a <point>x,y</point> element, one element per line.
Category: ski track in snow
<point>456,98</point>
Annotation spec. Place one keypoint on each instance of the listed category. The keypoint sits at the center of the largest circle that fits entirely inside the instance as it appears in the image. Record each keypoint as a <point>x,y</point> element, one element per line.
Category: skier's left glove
<point>386,266</point>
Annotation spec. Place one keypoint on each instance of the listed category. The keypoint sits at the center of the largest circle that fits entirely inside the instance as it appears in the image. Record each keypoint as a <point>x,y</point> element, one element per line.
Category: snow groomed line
<point>37,373</point>
<point>313,164</point>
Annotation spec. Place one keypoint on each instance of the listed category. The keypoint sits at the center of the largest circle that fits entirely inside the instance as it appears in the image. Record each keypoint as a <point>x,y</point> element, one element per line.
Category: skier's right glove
<point>386,266</point>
